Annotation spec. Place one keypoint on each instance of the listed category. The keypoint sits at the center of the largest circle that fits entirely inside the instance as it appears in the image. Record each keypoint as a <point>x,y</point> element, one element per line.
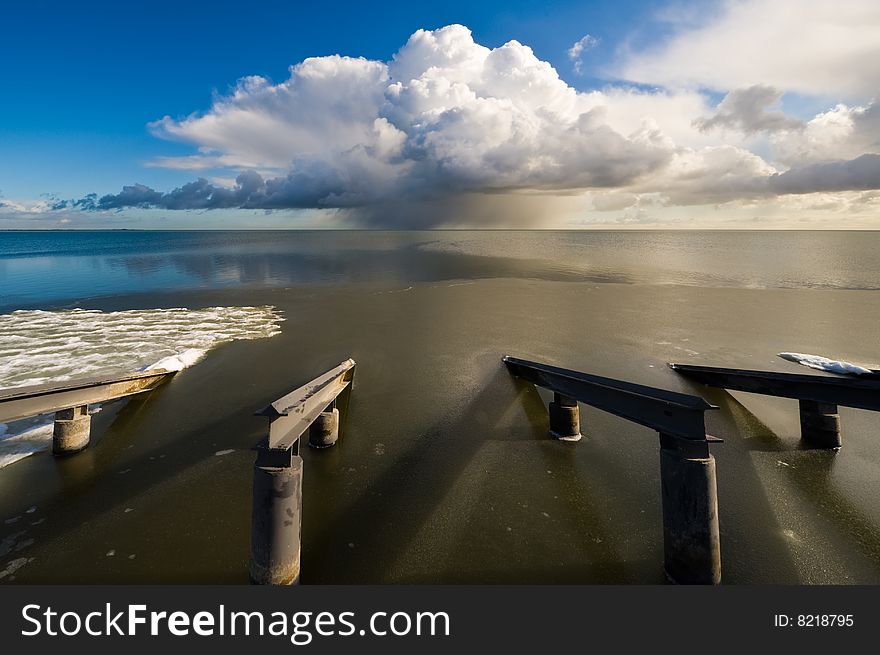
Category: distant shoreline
<point>450,229</point>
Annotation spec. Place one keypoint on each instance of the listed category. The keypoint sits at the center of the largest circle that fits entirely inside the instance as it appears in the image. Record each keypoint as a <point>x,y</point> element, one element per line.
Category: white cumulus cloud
<point>445,116</point>
<point>448,128</point>
<point>842,132</point>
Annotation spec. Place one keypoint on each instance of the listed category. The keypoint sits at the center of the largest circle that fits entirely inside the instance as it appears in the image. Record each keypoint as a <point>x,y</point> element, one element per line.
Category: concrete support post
<point>565,421</point>
<point>324,431</point>
<point>820,424</point>
<point>71,432</point>
<point>276,520</point>
<point>691,543</point>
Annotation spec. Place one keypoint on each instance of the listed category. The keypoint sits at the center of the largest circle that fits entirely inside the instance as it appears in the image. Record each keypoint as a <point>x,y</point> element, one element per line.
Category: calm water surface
<point>444,472</point>
<point>57,267</point>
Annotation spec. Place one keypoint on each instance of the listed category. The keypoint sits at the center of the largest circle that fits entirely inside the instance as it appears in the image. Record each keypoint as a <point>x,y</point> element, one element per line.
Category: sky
<point>623,114</point>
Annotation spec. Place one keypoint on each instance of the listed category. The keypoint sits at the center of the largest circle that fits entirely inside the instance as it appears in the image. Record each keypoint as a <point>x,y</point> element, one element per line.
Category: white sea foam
<point>825,364</point>
<point>179,361</point>
<point>52,346</point>
<point>14,447</point>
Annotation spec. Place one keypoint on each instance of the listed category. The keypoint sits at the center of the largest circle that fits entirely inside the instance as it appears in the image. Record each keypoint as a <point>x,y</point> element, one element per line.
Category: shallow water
<point>444,471</point>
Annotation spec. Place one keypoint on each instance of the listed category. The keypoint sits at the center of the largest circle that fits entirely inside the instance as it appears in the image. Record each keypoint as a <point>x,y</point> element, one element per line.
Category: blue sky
<point>82,82</point>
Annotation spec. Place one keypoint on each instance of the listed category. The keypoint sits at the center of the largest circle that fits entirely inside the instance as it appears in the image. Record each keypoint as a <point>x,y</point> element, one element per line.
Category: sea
<point>444,471</point>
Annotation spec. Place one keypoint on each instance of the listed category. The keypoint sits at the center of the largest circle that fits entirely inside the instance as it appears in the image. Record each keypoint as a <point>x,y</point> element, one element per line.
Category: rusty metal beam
<point>23,402</point>
<point>291,415</point>
<point>668,412</point>
<point>861,393</point>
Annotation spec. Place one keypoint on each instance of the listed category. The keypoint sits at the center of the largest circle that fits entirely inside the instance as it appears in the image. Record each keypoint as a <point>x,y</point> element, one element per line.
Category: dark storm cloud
<point>859,174</point>
<point>749,110</point>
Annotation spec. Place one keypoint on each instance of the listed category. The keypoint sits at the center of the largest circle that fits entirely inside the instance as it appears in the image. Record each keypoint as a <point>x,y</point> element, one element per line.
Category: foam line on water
<point>38,346</point>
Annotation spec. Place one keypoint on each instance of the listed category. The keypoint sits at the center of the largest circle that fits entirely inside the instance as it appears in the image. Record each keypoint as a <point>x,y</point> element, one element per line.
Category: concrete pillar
<point>820,424</point>
<point>276,520</point>
<point>565,420</point>
<point>691,544</point>
<point>324,431</point>
<point>71,432</point>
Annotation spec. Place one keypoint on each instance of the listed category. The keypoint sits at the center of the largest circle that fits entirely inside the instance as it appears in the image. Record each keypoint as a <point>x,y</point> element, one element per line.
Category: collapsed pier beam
<point>692,550</point>
<point>820,424</point>
<point>276,519</point>
<point>70,400</point>
<point>565,420</point>
<point>819,396</point>
<point>691,541</point>
<point>70,434</point>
